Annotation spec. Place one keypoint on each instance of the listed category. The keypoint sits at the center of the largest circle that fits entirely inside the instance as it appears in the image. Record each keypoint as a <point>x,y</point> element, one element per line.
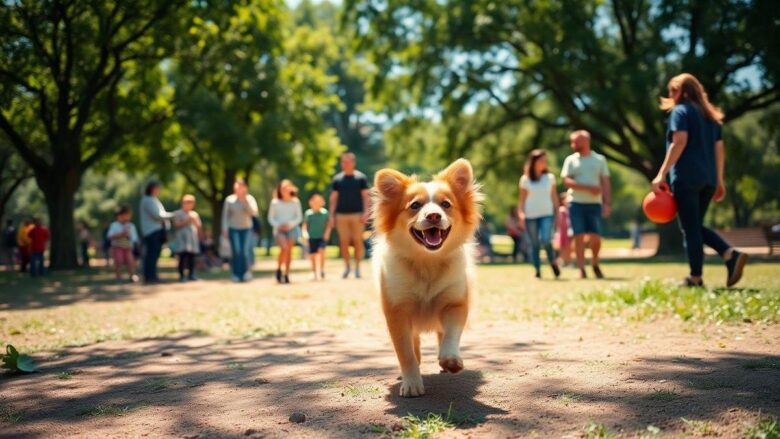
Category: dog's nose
<point>433,218</point>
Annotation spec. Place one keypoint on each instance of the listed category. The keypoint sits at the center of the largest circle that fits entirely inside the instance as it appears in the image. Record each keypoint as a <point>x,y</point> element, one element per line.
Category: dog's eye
<point>415,205</point>
<point>446,204</point>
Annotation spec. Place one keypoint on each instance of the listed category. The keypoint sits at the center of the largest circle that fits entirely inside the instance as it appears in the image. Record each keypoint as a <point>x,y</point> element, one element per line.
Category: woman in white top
<point>537,207</point>
<point>285,215</point>
<point>237,213</point>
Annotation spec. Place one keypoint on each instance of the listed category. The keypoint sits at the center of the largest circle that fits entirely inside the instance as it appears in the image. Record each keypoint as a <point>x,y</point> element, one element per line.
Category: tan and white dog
<point>423,262</point>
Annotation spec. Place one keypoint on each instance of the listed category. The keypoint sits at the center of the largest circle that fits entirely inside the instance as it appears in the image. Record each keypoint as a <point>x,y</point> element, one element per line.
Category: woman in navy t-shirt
<point>694,162</point>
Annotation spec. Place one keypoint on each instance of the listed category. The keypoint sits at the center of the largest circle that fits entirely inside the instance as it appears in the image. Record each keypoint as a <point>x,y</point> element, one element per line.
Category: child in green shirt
<point>316,229</point>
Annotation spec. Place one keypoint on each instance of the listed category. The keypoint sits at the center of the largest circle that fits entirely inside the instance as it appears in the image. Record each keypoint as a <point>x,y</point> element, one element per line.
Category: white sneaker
<point>247,276</point>
<point>236,279</point>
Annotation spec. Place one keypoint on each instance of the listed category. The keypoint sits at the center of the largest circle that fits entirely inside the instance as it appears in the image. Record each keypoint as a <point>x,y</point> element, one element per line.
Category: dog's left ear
<point>459,175</point>
<point>390,184</point>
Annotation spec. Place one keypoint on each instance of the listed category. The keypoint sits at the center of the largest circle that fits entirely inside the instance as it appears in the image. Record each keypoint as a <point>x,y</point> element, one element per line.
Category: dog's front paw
<point>453,364</point>
<point>412,386</point>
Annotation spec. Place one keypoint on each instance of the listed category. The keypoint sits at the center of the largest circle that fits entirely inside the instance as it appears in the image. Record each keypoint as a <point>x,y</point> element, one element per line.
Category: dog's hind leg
<point>453,320</point>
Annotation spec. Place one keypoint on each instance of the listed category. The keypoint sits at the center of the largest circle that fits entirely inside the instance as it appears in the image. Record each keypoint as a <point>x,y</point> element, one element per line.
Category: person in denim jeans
<point>694,163</point>
<point>237,213</point>
<point>586,175</point>
<point>537,206</point>
<point>153,218</point>
<point>39,237</point>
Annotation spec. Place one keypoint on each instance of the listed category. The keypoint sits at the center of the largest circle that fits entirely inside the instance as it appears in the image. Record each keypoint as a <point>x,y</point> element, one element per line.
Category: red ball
<point>660,207</point>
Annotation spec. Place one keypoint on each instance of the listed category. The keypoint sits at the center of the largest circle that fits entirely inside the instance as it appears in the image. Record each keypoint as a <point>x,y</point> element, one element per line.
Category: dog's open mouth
<point>432,238</point>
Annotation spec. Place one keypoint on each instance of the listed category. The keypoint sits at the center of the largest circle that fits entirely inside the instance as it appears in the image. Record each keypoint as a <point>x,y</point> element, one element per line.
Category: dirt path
<point>520,380</point>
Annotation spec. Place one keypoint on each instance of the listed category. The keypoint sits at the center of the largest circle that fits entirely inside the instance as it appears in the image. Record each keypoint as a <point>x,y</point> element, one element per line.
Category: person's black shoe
<point>735,267</point>
<point>538,274</point>
<point>597,272</point>
<point>583,274</point>
<point>556,270</point>
<point>690,283</point>
<point>279,276</point>
<point>286,279</point>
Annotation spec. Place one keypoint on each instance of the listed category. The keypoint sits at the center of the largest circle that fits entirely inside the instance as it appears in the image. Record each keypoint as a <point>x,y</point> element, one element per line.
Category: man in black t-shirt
<point>349,205</point>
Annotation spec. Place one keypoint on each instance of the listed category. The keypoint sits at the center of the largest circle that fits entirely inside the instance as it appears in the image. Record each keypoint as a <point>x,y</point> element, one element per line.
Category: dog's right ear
<point>390,184</point>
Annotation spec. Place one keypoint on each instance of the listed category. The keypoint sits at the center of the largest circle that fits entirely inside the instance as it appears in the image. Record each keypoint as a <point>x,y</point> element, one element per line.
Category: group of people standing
<point>694,165</point>
<point>541,209</point>
<point>241,228</point>
<point>25,246</point>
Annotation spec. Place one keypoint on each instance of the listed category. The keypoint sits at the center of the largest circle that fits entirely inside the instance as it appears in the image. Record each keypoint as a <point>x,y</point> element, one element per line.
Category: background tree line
<point>99,95</point>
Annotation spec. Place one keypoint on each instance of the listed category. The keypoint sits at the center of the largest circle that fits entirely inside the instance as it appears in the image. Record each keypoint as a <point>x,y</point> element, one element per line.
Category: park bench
<point>755,240</point>
<point>772,239</point>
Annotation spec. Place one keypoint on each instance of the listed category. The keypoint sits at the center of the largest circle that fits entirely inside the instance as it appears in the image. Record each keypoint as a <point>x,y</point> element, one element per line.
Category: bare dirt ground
<point>522,378</point>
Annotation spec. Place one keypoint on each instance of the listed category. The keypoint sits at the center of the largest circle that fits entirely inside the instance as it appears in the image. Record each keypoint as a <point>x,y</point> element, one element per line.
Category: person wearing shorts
<point>316,229</point>
<point>586,175</point>
<point>123,236</point>
<point>349,203</point>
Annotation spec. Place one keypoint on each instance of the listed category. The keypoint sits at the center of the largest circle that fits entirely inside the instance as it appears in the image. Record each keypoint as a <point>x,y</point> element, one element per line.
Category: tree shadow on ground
<point>190,384</point>
<point>661,391</point>
<point>18,291</point>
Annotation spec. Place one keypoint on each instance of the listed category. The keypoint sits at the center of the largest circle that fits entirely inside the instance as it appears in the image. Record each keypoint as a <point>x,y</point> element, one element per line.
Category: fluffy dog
<point>423,262</point>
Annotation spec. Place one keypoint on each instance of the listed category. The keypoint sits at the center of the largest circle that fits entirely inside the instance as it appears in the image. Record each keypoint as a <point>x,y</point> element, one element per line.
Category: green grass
<point>701,428</point>
<point>158,384</point>
<point>653,299</point>
<point>65,375</point>
<point>416,427</point>
<point>85,308</point>
<point>361,391</point>
<point>568,399</point>
<point>110,410</point>
<point>9,416</point>
<point>765,428</point>
<point>597,431</point>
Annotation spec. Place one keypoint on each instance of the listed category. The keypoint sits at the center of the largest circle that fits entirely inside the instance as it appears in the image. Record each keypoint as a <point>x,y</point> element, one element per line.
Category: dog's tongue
<point>433,236</point>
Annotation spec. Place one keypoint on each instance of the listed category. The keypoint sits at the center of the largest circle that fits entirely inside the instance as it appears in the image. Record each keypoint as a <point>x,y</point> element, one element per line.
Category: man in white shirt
<point>586,175</point>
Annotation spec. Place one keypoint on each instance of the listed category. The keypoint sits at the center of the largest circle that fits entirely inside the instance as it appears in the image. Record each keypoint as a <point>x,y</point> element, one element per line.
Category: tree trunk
<point>216,218</point>
<point>670,240</point>
<point>59,186</point>
<point>60,202</point>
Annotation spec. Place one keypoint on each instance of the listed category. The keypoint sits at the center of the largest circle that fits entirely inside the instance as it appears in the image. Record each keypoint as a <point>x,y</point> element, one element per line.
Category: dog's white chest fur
<point>423,280</point>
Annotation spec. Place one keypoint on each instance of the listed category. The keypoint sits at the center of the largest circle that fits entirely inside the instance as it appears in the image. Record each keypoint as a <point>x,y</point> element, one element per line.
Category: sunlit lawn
<point>68,309</point>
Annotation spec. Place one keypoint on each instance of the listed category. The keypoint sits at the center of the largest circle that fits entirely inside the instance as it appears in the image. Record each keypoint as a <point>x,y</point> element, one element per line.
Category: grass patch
<point>110,410</point>
<point>765,428</point>
<point>709,384</point>
<point>158,384</point>
<point>597,431</point>
<point>663,395</point>
<point>652,299</point>
<point>568,399</point>
<point>763,363</point>
<point>65,375</point>
<point>701,428</point>
<point>9,416</point>
<point>361,391</point>
<point>415,427</point>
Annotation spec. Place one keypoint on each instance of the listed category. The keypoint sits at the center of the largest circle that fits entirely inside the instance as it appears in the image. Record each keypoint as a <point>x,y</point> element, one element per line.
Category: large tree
<point>13,172</point>
<point>600,64</point>
<point>79,80</point>
<point>250,90</point>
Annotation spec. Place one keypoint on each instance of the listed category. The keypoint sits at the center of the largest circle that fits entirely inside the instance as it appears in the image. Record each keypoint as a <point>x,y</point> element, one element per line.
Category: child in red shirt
<point>39,237</point>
